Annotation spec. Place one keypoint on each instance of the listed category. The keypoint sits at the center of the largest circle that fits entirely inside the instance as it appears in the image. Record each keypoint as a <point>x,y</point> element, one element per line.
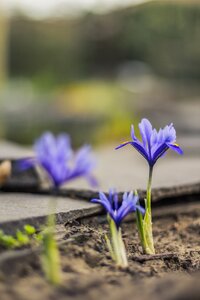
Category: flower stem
<point>148,195</point>
<point>139,221</point>
<point>51,256</point>
<point>145,224</point>
<point>122,249</point>
<point>148,245</point>
<point>116,246</point>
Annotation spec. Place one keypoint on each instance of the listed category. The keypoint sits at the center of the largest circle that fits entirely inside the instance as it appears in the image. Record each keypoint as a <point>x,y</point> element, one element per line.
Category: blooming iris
<point>116,213</point>
<point>154,143</point>
<point>119,212</point>
<point>56,157</point>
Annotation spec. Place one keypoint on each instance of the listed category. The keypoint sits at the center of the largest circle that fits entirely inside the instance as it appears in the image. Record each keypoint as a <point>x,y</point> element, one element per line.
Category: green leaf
<point>148,235</point>
<point>8,241</point>
<point>117,244</point>
<point>139,222</point>
<point>109,245</point>
<point>30,230</point>
<point>51,258</point>
<point>22,238</point>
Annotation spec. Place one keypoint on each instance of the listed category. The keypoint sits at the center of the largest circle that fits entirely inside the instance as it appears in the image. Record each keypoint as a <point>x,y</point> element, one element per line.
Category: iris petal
<point>26,163</point>
<point>105,204</point>
<point>176,148</point>
<point>118,212</point>
<point>124,210</point>
<point>159,152</point>
<point>103,197</point>
<point>92,180</point>
<point>140,149</point>
<point>141,209</point>
<point>122,145</point>
<point>54,154</point>
<point>133,133</point>
<point>154,143</point>
<point>145,131</point>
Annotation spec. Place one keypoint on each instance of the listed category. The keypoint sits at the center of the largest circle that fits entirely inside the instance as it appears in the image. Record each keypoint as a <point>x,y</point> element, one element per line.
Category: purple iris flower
<point>154,143</point>
<point>55,155</point>
<point>119,212</point>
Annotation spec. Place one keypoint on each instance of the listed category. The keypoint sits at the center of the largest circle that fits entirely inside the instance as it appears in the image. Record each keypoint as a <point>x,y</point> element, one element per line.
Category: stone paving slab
<point>124,169</point>
<point>13,150</point>
<point>26,206</point>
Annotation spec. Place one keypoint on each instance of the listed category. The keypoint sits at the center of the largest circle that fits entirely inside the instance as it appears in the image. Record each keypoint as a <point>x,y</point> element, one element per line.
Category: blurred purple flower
<point>55,155</point>
<point>119,212</point>
<point>154,143</point>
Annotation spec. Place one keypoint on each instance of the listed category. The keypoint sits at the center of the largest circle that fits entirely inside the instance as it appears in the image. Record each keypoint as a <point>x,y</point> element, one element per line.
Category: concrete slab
<point>124,169</point>
<point>20,206</point>
<point>13,150</point>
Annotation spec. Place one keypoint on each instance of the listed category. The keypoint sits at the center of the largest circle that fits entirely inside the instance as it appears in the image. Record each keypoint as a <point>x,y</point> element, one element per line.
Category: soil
<point>89,273</point>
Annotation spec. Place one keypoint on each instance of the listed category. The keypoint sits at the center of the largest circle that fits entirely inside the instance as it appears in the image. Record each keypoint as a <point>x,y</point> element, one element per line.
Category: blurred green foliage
<point>77,70</point>
<point>22,238</point>
<point>91,111</point>
<point>164,35</point>
<point>102,101</point>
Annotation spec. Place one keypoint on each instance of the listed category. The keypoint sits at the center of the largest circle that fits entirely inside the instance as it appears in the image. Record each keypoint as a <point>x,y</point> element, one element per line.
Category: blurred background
<point>91,68</point>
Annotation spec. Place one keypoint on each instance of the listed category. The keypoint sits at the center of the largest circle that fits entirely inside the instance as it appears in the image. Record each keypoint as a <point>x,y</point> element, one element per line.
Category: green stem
<point>145,224</point>
<point>139,222</point>
<point>116,246</point>
<point>115,242</point>
<point>122,249</point>
<point>109,245</point>
<point>148,195</point>
<point>148,245</point>
<point>51,255</point>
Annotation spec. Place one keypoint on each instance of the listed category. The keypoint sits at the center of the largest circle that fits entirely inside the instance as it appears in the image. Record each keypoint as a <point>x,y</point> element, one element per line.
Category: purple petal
<point>26,163</point>
<point>82,153</point>
<point>169,134</point>
<point>176,148</point>
<point>104,202</point>
<point>154,137</point>
<point>128,205</point>
<point>54,154</point>
<point>45,146</point>
<point>122,145</point>
<point>159,152</point>
<point>111,195</point>
<point>145,131</point>
<point>133,133</point>
<point>115,201</point>
<point>129,197</point>
<point>92,181</point>
<point>139,147</point>
<point>160,136</point>
<point>125,196</point>
<point>124,210</point>
<point>106,205</point>
<point>154,143</point>
<point>103,197</point>
<point>84,162</point>
<point>141,209</point>
<point>63,147</point>
<point>133,198</point>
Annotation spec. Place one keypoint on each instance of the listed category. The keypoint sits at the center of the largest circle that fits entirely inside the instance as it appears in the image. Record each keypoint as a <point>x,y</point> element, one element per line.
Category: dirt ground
<point>89,273</point>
